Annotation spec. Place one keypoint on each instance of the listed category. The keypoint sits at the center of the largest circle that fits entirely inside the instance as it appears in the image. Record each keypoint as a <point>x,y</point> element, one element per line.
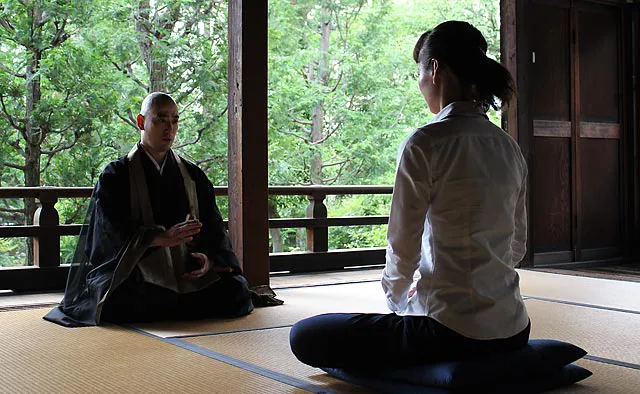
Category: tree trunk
<point>34,132</point>
<point>143,28</point>
<point>316,150</point>
<point>156,66</point>
<point>157,74</point>
<point>276,233</point>
<point>317,121</point>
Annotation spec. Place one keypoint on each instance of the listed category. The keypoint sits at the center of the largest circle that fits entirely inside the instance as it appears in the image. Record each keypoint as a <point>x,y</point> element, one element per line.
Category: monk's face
<point>160,126</point>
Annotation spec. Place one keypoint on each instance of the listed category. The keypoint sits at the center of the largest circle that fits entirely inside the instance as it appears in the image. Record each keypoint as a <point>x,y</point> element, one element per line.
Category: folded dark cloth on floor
<point>264,296</point>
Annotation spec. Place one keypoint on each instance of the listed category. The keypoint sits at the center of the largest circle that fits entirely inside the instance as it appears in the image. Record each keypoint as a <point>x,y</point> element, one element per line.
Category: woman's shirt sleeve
<point>409,205</point>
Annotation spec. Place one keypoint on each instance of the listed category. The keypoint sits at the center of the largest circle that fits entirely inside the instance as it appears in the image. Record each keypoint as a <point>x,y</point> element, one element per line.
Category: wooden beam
<point>551,128</point>
<point>247,97</point>
<point>34,278</point>
<point>329,222</point>
<point>331,260</point>
<point>576,110</point>
<point>600,130</point>
<point>634,140</point>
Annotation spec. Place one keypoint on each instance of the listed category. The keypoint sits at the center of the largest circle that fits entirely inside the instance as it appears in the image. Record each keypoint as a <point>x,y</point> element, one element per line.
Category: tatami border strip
<point>612,362</point>
<point>355,282</point>
<point>606,308</point>
<point>210,334</point>
<point>282,378</point>
<point>24,307</point>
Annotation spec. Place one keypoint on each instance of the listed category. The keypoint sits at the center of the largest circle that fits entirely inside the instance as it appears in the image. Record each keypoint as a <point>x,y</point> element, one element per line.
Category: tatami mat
<point>40,357</point>
<point>594,291</point>
<point>602,333</point>
<point>606,379</point>
<point>299,303</point>
<point>270,349</point>
<point>571,288</point>
<point>303,302</point>
<point>326,278</point>
<point>10,300</point>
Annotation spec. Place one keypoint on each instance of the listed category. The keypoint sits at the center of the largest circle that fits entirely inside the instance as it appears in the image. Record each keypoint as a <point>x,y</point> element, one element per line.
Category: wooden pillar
<point>629,134</point>
<point>248,185</point>
<point>515,54</point>
<point>508,57</point>
<point>634,11</point>
<point>523,115</point>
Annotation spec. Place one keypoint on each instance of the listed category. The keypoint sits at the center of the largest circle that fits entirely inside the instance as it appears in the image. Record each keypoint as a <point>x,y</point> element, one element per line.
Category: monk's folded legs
<point>136,301</point>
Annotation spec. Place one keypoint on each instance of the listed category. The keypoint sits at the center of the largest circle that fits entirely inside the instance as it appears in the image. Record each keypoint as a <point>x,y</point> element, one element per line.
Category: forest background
<point>342,95</point>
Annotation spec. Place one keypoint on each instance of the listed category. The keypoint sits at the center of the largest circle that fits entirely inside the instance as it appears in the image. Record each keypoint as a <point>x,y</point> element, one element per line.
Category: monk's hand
<point>204,263</point>
<point>179,234</point>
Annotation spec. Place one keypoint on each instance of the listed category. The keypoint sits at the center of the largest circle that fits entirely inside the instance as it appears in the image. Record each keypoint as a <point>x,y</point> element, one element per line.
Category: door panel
<point>550,84</point>
<point>599,66</point>
<point>551,216</point>
<point>600,193</point>
<point>599,132</point>
<point>575,100</point>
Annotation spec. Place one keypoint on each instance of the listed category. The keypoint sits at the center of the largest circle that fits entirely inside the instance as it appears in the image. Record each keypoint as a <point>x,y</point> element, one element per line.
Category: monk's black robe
<point>102,287</point>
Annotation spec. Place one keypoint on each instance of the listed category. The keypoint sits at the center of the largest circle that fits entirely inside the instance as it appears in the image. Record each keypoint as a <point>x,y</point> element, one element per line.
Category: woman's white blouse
<point>458,217</point>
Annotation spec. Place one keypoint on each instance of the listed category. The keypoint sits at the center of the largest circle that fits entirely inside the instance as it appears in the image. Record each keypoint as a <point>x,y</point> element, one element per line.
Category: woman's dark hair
<point>462,48</point>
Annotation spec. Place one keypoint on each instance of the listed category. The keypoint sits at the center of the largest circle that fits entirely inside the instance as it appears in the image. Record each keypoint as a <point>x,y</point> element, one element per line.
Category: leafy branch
<point>11,72</point>
<point>11,119</point>
<point>60,147</point>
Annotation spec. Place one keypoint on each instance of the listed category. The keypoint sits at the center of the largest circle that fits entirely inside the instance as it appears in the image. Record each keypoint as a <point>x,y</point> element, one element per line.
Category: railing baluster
<point>46,246</point>
<point>317,237</point>
<point>46,233</point>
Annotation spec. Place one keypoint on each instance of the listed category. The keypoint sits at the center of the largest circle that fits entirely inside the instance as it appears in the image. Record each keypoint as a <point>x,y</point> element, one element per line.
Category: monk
<point>154,246</point>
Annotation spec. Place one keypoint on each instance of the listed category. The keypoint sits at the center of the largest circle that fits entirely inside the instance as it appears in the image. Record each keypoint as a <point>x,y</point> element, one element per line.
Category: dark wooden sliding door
<point>576,161</point>
<point>598,132</point>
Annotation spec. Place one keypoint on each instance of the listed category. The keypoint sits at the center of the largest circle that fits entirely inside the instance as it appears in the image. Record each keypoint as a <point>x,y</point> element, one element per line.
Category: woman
<point>457,217</point>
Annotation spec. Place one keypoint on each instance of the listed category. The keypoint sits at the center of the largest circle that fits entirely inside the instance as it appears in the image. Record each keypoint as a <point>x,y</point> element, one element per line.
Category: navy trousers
<point>365,341</point>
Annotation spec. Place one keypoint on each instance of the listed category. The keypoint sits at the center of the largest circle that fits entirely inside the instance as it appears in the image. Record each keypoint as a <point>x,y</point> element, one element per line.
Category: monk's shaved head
<point>154,99</point>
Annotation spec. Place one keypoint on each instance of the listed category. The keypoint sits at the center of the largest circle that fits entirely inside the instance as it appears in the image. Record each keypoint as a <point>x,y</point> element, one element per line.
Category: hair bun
<point>463,49</point>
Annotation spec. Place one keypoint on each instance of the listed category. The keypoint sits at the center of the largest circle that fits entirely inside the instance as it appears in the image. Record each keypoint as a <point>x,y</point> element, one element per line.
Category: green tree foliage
<point>347,66</point>
<point>47,98</point>
<point>342,94</point>
<point>73,75</point>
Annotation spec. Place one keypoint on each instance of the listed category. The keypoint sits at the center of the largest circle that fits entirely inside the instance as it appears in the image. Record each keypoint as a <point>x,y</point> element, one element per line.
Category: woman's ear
<point>436,68</point>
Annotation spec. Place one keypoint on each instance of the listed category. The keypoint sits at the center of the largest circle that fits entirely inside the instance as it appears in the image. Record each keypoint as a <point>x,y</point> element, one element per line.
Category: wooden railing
<point>48,274</point>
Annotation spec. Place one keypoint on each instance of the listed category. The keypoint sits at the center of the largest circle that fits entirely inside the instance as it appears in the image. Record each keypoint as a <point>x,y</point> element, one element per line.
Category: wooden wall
<point>576,126</point>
